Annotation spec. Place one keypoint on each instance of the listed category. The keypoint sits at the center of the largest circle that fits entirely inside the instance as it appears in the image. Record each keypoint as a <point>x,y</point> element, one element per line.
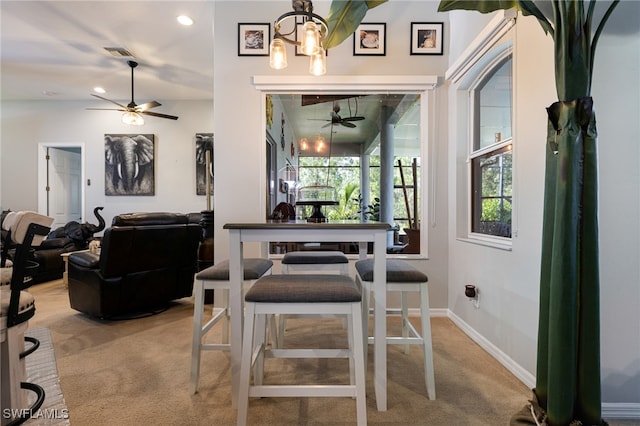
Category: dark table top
<point>303,224</point>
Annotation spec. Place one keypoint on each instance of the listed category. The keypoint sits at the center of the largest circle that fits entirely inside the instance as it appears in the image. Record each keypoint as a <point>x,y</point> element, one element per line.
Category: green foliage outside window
<point>343,173</point>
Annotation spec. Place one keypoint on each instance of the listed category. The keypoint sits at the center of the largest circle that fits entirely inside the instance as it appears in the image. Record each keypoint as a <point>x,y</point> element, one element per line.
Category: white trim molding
<point>345,83</point>
<point>516,369</point>
<point>497,27</point>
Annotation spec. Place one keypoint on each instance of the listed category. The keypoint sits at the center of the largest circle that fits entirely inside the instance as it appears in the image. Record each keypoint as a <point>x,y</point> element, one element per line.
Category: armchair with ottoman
<point>146,260</point>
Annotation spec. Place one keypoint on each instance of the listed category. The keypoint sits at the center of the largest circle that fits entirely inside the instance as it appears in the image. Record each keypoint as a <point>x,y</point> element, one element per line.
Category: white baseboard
<point>523,375</point>
<point>609,410</point>
<point>621,410</point>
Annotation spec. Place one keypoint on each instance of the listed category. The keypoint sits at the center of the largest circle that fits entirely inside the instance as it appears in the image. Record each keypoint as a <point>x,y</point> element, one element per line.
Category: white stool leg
<point>359,362</point>
<point>226,320</point>
<point>366,298</point>
<point>405,319</point>
<point>259,341</point>
<point>245,364</point>
<point>198,314</point>
<point>426,339</point>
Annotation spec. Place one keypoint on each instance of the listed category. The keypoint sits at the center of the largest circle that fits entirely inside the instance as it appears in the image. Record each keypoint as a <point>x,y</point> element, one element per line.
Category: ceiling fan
<point>132,111</point>
<point>344,121</point>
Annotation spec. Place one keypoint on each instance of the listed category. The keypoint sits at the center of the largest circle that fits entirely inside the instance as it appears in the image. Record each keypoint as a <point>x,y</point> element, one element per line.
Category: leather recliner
<point>146,260</point>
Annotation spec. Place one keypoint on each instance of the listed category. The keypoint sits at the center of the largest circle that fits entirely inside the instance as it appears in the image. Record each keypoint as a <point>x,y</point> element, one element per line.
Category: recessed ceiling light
<point>99,90</point>
<point>185,20</point>
<point>49,93</point>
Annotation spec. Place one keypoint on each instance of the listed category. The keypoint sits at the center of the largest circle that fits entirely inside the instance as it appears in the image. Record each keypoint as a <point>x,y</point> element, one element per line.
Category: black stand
<point>316,214</point>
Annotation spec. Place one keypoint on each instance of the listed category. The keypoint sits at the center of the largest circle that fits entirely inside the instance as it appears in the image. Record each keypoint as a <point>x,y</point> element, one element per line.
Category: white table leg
<point>235,307</point>
<point>380,319</point>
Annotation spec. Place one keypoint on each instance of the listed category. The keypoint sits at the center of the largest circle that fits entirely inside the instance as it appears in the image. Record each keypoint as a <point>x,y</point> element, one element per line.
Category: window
<point>366,147</point>
<point>491,151</point>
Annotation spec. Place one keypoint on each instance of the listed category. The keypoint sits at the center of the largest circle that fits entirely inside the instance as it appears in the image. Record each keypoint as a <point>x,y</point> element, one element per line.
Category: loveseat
<point>146,260</point>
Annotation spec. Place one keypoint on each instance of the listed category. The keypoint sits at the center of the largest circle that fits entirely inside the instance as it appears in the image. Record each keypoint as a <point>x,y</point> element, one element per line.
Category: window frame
<point>424,85</point>
<point>484,75</point>
<point>495,40</point>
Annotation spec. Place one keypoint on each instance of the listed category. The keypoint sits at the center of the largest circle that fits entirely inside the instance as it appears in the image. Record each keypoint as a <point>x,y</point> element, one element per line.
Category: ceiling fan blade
<point>347,124</point>
<point>353,119</point>
<point>107,109</point>
<point>147,106</point>
<point>109,100</point>
<point>157,114</point>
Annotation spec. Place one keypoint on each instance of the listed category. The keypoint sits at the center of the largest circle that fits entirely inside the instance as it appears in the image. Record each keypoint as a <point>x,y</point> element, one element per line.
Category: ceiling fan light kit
<point>132,111</point>
<point>314,30</point>
<point>132,118</point>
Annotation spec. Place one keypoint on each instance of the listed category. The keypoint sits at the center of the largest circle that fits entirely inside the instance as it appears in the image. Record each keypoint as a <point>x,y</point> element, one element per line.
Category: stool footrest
<point>215,347</point>
<point>307,353</point>
<point>294,391</point>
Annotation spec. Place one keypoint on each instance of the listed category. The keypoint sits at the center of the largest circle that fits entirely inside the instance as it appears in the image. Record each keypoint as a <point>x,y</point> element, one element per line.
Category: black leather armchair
<point>146,261</point>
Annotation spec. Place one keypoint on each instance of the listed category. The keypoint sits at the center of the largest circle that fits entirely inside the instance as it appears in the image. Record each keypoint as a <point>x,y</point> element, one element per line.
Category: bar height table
<point>302,231</point>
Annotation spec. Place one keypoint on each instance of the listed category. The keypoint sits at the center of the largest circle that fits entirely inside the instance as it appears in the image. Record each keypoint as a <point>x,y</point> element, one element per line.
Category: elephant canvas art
<point>204,143</point>
<point>129,164</point>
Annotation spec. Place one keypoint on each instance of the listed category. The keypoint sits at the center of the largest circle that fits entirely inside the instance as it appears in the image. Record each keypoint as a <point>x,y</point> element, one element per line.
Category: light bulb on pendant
<point>132,118</point>
<point>277,54</point>
<point>310,38</point>
<point>318,62</point>
<point>320,143</point>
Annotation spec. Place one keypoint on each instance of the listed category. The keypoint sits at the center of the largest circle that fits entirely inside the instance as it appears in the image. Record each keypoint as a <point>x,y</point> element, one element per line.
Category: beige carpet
<point>137,372</point>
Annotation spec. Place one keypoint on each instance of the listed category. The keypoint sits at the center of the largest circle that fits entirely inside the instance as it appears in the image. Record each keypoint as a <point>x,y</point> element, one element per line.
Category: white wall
<point>616,94</point>
<point>242,139</point>
<point>506,319</point>
<point>26,124</point>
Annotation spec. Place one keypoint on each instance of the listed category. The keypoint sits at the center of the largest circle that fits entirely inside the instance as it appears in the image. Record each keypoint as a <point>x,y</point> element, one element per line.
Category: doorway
<point>60,182</point>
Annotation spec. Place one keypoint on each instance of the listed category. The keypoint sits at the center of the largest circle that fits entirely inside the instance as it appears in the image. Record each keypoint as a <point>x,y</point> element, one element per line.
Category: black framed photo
<point>129,167</point>
<point>426,38</point>
<point>370,39</point>
<point>254,39</point>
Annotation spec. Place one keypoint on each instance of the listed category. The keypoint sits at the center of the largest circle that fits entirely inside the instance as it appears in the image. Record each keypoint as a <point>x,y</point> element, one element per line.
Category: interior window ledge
<point>355,257</point>
<point>501,245</point>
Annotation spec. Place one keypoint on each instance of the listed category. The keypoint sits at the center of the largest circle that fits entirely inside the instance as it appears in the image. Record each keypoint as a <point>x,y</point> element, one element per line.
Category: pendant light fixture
<point>314,29</point>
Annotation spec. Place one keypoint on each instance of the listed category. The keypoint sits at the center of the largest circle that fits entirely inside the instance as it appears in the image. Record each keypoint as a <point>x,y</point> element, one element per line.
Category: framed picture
<point>426,38</point>
<point>254,39</point>
<point>204,143</point>
<point>129,166</point>
<point>370,40</point>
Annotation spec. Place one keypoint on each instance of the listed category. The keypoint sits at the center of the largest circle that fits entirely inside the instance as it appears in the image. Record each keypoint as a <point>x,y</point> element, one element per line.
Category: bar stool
<point>402,277</point>
<point>315,261</point>
<point>298,294</point>
<point>16,308</point>
<point>215,278</point>
<point>318,262</point>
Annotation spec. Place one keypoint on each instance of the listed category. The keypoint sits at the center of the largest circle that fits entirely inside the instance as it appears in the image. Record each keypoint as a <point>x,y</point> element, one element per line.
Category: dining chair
<point>318,262</point>
<point>301,294</point>
<point>404,278</point>
<point>216,278</point>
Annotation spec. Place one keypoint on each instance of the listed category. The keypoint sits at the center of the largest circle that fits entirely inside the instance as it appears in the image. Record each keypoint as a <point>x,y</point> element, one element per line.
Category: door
<point>63,186</point>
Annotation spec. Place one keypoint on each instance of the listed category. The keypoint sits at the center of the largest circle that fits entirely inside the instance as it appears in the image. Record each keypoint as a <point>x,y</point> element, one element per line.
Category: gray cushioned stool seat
<point>254,268</point>
<point>397,271</point>
<point>307,288</point>
<point>314,257</point>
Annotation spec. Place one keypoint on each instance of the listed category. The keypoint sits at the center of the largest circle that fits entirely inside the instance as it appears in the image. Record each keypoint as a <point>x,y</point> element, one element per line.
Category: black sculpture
<point>79,233</point>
